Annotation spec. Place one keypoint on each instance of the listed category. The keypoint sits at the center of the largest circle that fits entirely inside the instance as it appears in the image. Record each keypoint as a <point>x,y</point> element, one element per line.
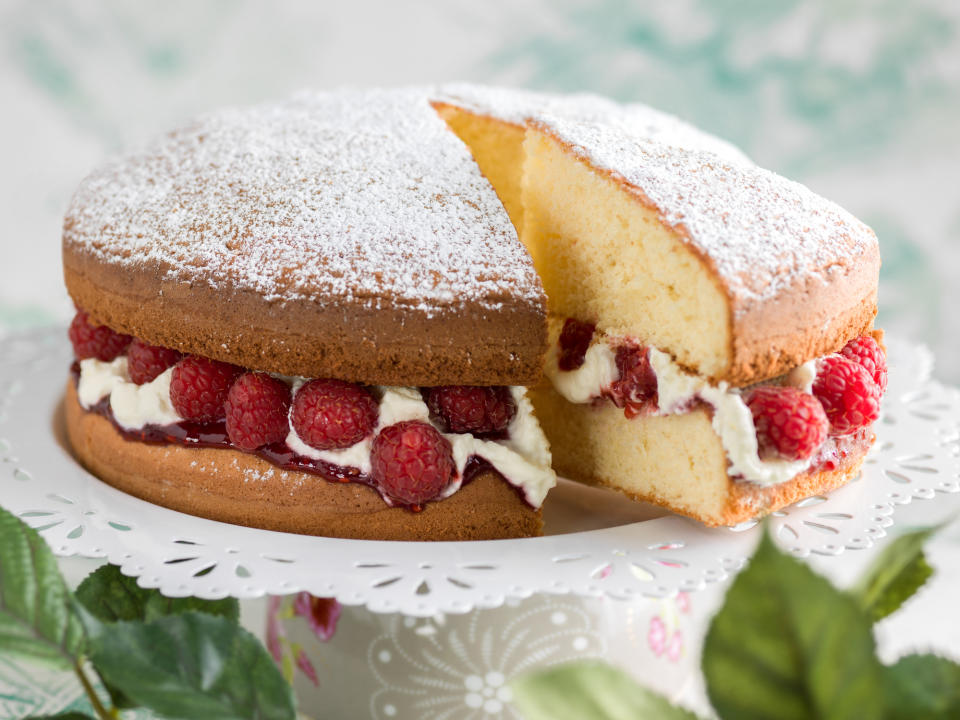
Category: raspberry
<point>329,414</point>
<point>411,462</point>
<point>848,394</point>
<point>637,385</point>
<point>199,387</point>
<point>146,362</point>
<point>866,352</point>
<point>471,409</point>
<point>574,340</point>
<point>790,424</point>
<point>95,341</point>
<point>256,409</point>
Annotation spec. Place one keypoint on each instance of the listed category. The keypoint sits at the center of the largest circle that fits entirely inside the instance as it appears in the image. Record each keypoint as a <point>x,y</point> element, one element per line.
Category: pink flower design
<point>683,602</point>
<point>675,647</point>
<point>306,667</point>
<point>274,628</point>
<point>657,636</point>
<point>321,614</point>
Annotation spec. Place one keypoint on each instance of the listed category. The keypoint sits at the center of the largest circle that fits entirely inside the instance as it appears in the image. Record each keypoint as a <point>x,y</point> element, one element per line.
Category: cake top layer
<point>359,196</point>
<point>760,232</point>
<point>636,119</point>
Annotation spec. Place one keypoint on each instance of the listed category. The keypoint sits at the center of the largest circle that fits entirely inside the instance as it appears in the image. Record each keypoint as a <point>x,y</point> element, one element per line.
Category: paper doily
<point>915,459</point>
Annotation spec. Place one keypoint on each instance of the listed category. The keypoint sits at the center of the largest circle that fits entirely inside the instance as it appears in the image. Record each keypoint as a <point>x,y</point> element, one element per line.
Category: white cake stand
<point>598,544</point>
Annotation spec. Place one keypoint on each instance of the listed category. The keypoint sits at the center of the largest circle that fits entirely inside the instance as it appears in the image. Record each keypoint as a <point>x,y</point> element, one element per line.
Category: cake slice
<point>703,310</point>
<point>312,316</point>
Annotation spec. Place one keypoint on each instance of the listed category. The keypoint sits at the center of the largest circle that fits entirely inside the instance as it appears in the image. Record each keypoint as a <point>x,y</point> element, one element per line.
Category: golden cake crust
<point>239,488</point>
<point>346,235</point>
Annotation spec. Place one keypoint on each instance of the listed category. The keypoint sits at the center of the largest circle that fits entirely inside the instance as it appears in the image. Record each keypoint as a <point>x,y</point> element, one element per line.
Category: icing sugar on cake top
<point>641,121</point>
<point>360,195</point>
<point>761,232</point>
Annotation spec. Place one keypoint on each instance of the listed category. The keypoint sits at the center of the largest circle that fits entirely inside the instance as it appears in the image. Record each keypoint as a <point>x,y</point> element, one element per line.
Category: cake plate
<point>597,544</point>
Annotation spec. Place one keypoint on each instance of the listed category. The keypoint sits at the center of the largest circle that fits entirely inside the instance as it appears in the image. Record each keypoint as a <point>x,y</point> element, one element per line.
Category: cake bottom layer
<point>239,488</point>
<point>674,461</point>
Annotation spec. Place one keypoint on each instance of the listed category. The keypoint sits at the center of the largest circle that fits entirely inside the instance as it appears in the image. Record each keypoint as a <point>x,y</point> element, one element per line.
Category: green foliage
<point>923,687</point>
<point>590,691</point>
<point>61,716</point>
<point>787,644</point>
<point>110,595</point>
<point>36,620</point>
<point>190,665</point>
<point>895,575</point>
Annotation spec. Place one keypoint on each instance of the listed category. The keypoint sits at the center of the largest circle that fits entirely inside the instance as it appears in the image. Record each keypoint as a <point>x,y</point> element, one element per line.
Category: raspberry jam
<point>214,435</point>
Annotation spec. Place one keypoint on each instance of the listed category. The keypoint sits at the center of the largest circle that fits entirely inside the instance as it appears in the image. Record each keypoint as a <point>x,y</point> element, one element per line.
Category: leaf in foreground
<point>62,716</point>
<point>923,687</point>
<point>895,575</point>
<point>786,644</point>
<point>191,666</point>
<point>36,619</point>
<point>589,691</point>
<point>110,596</point>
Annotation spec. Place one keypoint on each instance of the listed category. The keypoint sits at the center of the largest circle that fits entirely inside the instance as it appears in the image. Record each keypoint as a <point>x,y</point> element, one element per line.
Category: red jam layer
<point>214,435</point>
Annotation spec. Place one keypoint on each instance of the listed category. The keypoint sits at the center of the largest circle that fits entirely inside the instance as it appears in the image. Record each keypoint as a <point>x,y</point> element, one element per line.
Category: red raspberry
<point>637,385</point>
<point>411,462</point>
<point>472,409</point>
<point>865,351</point>
<point>848,394</point>
<point>790,424</point>
<point>146,362</point>
<point>256,408</point>
<point>199,387</point>
<point>330,414</point>
<point>574,341</point>
<point>95,341</point>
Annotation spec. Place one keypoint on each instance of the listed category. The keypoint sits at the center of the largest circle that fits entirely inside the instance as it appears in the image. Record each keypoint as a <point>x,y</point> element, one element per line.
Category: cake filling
<point>771,432</point>
<point>419,436</point>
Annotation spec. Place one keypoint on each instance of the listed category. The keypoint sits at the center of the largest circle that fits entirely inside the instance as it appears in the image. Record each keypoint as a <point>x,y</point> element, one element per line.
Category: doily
<point>616,548</point>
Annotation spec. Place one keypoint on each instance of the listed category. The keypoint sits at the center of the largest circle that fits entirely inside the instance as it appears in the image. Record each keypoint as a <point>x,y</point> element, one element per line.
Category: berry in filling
<point>848,394</point>
<point>333,414</point>
<point>147,362</point>
<point>790,424</point>
<point>95,341</point>
<point>411,462</point>
<point>636,388</point>
<point>256,411</point>
<point>471,409</point>
<point>199,387</point>
<point>574,341</point>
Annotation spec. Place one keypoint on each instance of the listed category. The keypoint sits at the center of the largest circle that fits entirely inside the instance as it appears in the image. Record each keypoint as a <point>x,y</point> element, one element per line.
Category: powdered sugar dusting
<point>364,196</point>
<point>636,119</point>
<point>762,232</point>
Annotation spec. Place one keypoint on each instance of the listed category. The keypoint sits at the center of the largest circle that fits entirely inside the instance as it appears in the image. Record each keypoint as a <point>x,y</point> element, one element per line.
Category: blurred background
<point>859,99</point>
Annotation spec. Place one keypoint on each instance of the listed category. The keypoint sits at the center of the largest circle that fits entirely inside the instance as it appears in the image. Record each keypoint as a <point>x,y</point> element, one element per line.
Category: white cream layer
<point>676,389</point>
<point>523,458</point>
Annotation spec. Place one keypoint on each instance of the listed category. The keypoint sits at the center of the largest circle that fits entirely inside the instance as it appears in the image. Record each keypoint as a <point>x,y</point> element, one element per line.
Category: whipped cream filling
<point>677,389</point>
<point>523,457</point>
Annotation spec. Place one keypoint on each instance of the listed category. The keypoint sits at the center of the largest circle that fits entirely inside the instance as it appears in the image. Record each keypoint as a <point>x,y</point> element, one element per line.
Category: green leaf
<point>895,575</point>
<point>110,596</point>
<point>190,666</point>
<point>36,619</point>
<point>589,691</point>
<point>788,645</point>
<point>923,687</point>
<point>62,716</point>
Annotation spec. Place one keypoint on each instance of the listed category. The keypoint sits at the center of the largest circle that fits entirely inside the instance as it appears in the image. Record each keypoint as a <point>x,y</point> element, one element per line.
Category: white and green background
<point>859,99</point>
